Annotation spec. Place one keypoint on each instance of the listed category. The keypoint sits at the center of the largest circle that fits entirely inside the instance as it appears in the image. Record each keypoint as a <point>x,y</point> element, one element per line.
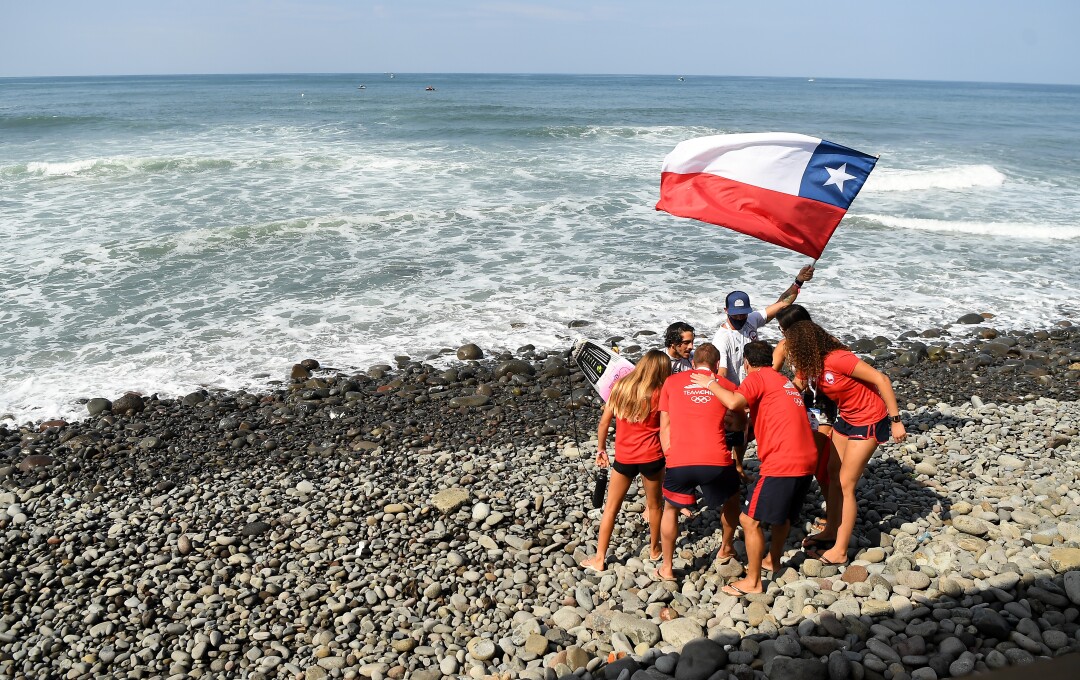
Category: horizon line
<point>527,73</point>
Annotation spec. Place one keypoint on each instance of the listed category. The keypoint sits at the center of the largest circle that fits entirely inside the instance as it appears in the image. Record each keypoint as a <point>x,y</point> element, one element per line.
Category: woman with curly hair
<point>868,414</point>
<point>822,412</point>
<point>633,405</point>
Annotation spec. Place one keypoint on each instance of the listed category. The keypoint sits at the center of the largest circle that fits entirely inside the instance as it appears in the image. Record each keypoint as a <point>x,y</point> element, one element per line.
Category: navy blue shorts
<point>632,470</point>
<point>718,483</point>
<point>776,500</point>
<point>881,430</point>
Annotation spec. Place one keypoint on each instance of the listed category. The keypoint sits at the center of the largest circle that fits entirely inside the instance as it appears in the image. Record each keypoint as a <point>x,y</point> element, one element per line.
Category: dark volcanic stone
<point>798,669</point>
<point>36,461</point>
<point>514,367</point>
<point>971,318</point>
<point>256,528</point>
<point>299,373</point>
<point>99,405</point>
<point>470,352</point>
<point>615,668</point>
<point>990,623</point>
<point>700,659</point>
<point>129,402</point>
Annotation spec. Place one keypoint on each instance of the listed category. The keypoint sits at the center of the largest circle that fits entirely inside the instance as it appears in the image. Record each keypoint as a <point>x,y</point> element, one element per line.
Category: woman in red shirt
<point>867,415</point>
<point>633,405</point>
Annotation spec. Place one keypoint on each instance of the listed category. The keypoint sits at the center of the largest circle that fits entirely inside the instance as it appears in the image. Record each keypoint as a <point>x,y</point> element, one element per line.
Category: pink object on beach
<point>602,367</point>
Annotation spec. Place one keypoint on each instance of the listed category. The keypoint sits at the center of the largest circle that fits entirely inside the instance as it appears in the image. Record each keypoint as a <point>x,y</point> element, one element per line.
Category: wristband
<point>896,418</point>
<point>710,383</point>
<point>798,283</point>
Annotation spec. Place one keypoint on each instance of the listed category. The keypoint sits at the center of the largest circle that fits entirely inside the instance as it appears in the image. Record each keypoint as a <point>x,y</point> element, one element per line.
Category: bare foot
<point>686,512</point>
<point>595,563</point>
<point>742,587</point>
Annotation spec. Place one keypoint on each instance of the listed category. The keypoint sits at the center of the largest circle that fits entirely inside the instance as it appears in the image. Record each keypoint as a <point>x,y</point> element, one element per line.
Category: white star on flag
<point>838,176</point>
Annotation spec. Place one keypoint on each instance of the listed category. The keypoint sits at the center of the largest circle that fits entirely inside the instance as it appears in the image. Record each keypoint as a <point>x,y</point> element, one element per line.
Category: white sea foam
<point>61,169</point>
<point>949,178</point>
<point>208,254</point>
<point>1012,230</point>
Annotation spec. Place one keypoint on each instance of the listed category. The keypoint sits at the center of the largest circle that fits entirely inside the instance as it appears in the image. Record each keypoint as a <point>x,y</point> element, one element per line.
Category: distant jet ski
<point>429,89</point>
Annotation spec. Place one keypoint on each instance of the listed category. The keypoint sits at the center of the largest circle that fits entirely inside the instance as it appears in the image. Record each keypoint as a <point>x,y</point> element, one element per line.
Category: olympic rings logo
<point>700,399</point>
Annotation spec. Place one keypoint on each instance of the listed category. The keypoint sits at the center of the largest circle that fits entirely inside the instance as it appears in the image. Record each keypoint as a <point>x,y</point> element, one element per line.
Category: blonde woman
<point>633,405</point>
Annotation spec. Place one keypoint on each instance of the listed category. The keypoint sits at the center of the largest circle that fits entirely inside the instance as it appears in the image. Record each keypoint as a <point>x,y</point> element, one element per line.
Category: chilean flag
<point>781,187</point>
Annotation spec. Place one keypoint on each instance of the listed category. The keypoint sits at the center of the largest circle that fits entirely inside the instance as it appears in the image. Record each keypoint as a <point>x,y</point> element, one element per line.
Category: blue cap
<point>738,303</point>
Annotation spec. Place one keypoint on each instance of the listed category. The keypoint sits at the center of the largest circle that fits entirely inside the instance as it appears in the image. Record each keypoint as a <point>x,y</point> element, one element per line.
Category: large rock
<point>990,623</point>
<point>98,405</point>
<point>35,461</point>
<point>470,400</point>
<point>700,659</point>
<point>784,668</point>
<point>129,402</point>
<point>678,632</point>
<point>971,319</point>
<point>1065,559</point>
<point>971,525</point>
<point>1072,586</point>
<point>469,352</point>
<point>514,366</point>
<point>450,500</point>
<point>638,630</point>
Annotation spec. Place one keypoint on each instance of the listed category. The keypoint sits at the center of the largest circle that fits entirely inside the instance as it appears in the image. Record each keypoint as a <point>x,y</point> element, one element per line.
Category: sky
<point>967,40</point>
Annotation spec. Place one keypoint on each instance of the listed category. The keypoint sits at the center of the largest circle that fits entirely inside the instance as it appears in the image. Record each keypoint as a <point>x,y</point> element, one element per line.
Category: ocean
<point>165,233</point>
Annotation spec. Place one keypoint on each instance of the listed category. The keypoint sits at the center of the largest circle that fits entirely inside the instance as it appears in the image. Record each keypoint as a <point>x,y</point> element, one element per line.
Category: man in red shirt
<point>787,453</point>
<point>696,453</point>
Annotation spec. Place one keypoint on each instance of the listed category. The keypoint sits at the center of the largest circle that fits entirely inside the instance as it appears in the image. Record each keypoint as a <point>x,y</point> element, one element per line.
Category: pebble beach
<point>425,519</point>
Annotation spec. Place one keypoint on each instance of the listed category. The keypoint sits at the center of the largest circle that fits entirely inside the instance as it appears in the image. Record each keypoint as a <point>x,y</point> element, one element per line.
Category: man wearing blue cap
<point>743,322</point>
<point>740,328</point>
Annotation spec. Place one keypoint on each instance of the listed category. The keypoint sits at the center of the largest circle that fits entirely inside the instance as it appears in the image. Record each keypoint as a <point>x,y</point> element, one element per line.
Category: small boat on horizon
<point>361,87</point>
<point>429,89</point>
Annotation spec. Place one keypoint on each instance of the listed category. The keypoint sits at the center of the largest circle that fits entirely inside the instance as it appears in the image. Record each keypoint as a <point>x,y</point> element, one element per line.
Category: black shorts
<point>632,470</point>
<point>718,483</point>
<point>881,430</point>
<point>738,438</point>
<point>776,500</point>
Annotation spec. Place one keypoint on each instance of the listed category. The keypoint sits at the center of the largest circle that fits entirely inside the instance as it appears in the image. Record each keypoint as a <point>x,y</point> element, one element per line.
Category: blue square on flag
<point>835,174</point>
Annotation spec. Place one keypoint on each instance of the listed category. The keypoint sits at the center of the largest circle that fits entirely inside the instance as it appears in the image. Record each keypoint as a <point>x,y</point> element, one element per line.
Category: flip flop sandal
<point>818,543</point>
<point>656,576</point>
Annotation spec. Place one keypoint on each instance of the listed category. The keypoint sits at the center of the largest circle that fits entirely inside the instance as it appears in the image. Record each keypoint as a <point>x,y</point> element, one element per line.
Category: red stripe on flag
<point>800,224</point>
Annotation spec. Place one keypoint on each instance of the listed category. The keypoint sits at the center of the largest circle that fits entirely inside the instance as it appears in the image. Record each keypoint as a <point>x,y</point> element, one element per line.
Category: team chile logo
<point>829,378</point>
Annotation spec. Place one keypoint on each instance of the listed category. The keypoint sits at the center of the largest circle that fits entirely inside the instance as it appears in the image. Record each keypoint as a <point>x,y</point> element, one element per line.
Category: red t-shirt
<point>857,401</point>
<point>697,421</point>
<point>785,443</point>
<point>637,443</point>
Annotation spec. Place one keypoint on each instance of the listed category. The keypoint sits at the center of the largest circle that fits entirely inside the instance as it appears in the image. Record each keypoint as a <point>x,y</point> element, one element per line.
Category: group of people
<point>684,415</point>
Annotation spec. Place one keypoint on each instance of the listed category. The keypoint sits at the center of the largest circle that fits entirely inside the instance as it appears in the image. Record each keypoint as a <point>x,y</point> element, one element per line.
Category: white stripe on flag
<point>770,160</point>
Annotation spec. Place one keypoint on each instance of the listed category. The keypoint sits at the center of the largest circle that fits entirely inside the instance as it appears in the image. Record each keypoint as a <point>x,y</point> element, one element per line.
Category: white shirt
<point>731,342</point>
